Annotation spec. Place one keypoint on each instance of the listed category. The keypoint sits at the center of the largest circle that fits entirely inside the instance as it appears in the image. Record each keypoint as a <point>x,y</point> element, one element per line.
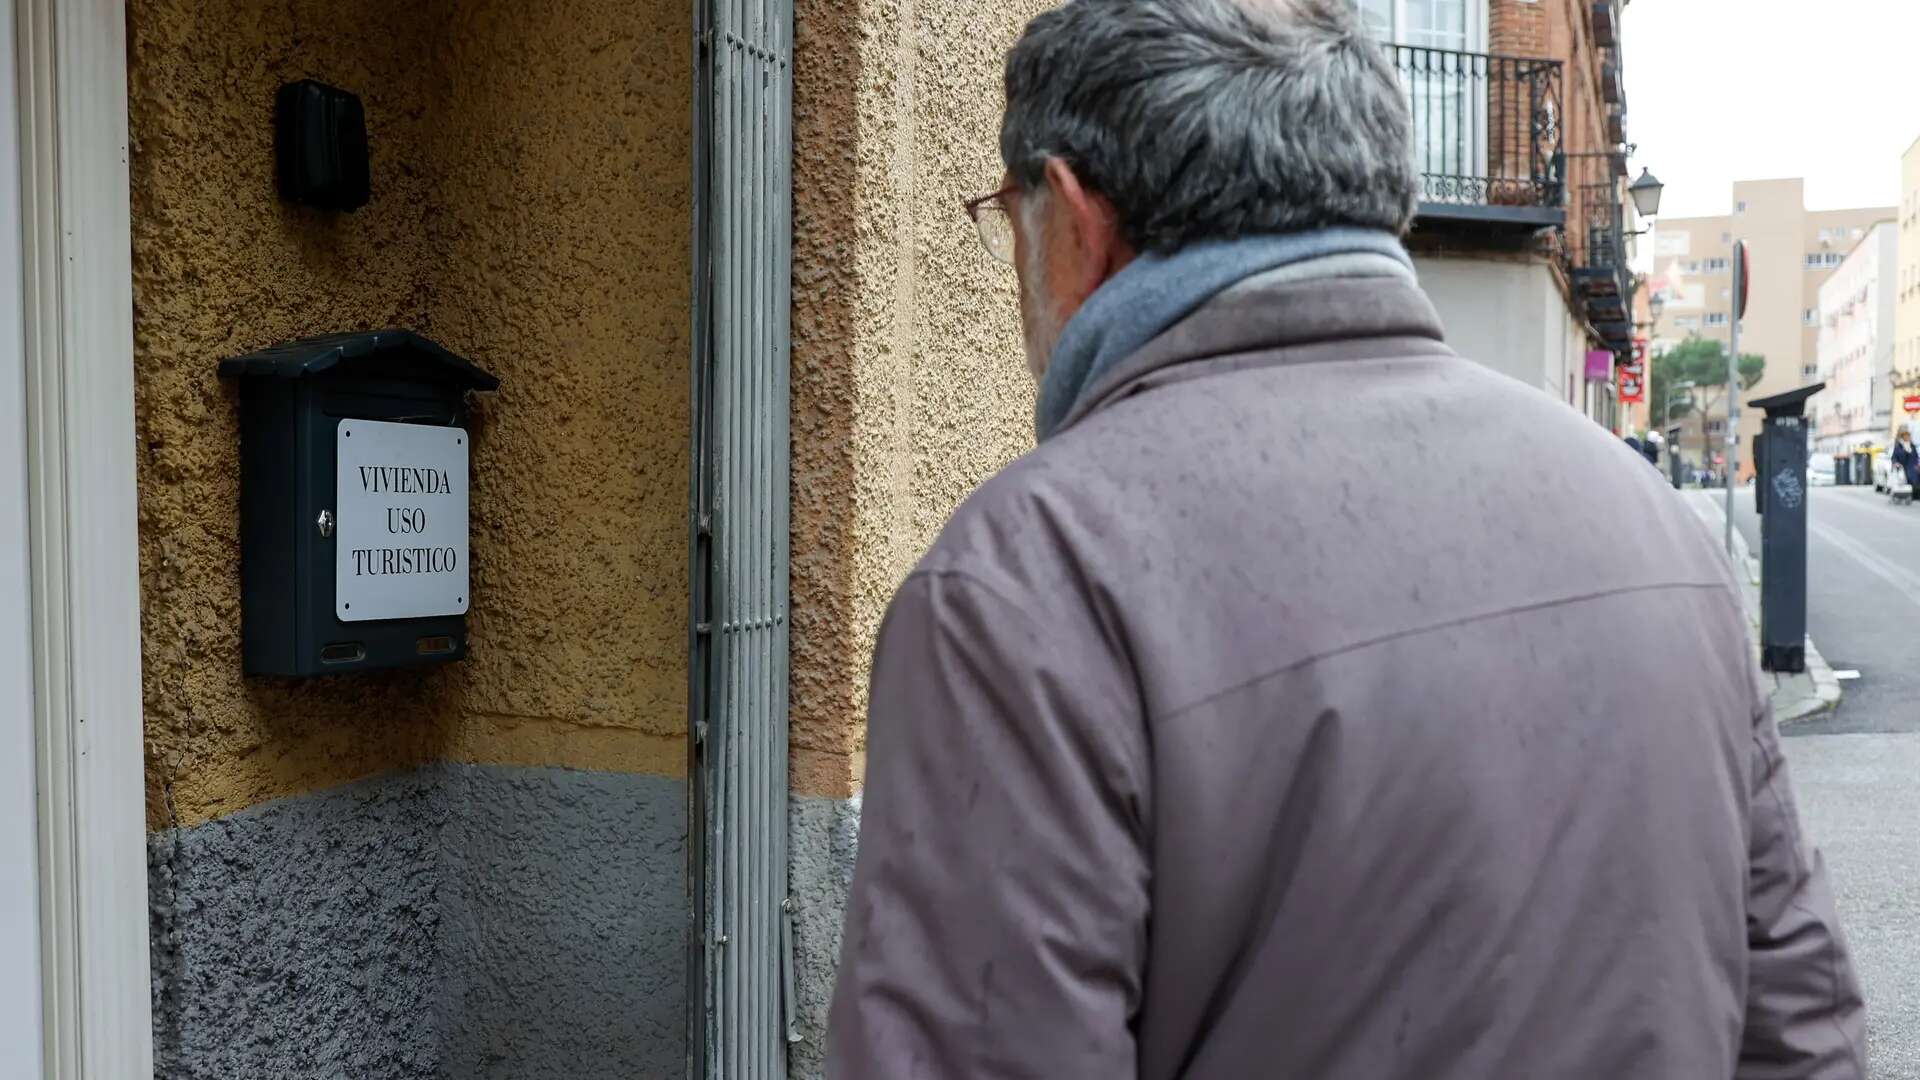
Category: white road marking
<point>1902,579</point>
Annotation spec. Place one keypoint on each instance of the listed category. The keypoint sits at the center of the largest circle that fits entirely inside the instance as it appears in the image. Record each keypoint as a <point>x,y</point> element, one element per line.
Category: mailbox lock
<point>326,524</point>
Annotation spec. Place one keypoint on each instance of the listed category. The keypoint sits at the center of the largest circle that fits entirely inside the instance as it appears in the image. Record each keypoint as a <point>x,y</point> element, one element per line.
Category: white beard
<point>1039,319</point>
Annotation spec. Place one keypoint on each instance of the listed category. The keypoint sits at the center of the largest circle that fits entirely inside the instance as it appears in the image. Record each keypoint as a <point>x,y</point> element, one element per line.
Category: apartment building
<point>1522,239</point>
<point>1794,251</point>
<point>1906,280</point>
<point>1854,346</point>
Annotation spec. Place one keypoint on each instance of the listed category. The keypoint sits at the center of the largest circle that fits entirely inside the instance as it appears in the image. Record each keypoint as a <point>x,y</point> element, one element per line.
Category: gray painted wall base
<point>455,921</point>
<point>824,836</point>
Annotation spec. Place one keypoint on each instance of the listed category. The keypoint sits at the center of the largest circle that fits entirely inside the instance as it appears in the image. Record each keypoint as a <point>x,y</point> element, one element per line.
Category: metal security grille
<point>740,961</point>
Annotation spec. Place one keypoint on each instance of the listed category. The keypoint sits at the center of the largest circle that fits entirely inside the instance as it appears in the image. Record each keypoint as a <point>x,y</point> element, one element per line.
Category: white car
<point>1820,470</point>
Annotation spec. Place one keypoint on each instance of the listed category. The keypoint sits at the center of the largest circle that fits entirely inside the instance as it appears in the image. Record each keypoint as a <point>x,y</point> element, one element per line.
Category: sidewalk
<point>1796,698</point>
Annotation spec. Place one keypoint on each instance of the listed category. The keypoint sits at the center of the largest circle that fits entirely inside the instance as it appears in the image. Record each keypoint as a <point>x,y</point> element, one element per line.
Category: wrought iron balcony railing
<point>1596,250</point>
<point>1487,134</point>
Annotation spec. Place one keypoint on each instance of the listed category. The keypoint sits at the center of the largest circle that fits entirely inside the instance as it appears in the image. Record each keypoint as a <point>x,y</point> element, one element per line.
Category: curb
<point>1826,687</point>
<point>1826,692</point>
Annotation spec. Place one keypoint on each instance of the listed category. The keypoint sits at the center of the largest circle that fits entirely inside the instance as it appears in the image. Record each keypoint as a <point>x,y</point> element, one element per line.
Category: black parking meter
<point>1782,475</point>
<point>1674,465</point>
<point>1760,469</point>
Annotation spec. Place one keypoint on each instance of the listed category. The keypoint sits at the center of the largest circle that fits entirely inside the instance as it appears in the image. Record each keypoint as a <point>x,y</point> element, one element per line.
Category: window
<point>1826,236</point>
<point>1856,233</point>
<point>1823,260</point>
<point>1438,24</point>
<point>1740,207</point>
<point>1717,266</point>
<point>1717,318</point>
<point>1726,238</point>
<point>1809,369</point>
<point>1686,322</point>
<point>1810,317</point>
<point>1450,130</point>
<point>1691,266</point>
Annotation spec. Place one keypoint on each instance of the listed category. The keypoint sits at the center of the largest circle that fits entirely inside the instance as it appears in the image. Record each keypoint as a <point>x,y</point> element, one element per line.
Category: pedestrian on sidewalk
<point>1906,459</point>
<point>1203,745</point>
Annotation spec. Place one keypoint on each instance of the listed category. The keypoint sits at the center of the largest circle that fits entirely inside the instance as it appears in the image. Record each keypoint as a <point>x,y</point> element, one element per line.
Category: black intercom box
<point>320,146</point>
<point>389,531</point>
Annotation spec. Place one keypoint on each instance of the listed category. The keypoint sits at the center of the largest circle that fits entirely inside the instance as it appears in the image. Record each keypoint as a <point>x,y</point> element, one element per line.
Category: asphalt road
<point>1863,602</point>
<point>1857,775</point>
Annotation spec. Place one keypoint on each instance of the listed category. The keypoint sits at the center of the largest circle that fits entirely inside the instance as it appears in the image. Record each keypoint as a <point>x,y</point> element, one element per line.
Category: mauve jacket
<point>1209,741</point>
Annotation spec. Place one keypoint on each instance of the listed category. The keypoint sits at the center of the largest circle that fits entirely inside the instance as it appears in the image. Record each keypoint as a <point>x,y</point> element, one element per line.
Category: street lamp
<point>1646,193</point>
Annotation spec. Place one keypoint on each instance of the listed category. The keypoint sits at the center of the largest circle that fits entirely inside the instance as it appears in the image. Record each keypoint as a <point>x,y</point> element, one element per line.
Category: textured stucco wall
<point>530,209</point>
<point>563,165</point>
<point>531,169</point>
<point>909,386</point>
<point>222,266</point>
<point>454,921</point>
<point>564,934</point>
<point>822,838</point>
<point>909,382</point>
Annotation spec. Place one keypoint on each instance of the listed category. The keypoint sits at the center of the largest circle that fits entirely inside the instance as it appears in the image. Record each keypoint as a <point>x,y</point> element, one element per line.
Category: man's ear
<point>1094,248</point>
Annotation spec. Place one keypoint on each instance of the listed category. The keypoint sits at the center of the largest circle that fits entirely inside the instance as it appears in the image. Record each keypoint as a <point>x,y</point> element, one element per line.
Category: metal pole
<point>1733,395</point>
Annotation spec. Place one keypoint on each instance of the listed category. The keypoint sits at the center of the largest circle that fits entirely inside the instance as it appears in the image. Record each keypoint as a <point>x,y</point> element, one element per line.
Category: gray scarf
<point>1155,291</point>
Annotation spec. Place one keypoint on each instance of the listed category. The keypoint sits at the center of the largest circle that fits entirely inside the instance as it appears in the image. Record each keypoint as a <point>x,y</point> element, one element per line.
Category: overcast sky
<point>1725,90</point>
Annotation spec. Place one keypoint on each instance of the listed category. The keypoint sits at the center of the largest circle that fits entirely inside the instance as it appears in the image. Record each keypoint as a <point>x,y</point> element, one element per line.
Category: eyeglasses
<point>995,223</point>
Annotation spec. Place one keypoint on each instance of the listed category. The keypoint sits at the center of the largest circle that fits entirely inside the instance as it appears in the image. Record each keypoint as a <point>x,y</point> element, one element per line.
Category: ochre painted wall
<point>530,210</point>
<point>564,171</point>
<point>909,386</point>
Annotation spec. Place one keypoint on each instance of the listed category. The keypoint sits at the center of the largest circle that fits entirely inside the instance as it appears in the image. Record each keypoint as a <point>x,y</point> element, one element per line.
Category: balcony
<point>1606,23</point>
<point>1486,138</point>
<point>1596,250</point>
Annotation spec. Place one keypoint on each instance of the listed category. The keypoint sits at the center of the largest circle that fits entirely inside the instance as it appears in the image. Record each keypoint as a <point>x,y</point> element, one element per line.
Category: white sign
<point>400,512</point>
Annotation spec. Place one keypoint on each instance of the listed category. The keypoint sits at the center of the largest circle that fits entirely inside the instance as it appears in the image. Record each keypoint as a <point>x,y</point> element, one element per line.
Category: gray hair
<point>1213,119</point>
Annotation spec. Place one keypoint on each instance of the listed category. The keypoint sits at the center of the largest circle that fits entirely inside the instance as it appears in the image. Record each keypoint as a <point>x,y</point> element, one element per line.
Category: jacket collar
<point>1265,324</point>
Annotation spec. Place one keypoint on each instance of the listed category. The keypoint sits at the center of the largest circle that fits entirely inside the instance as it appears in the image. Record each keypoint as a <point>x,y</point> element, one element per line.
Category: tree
<point>1703,363</point>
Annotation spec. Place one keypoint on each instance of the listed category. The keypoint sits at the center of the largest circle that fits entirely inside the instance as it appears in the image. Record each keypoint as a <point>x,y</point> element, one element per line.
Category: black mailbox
<point>353,502</point>
<point>1782,474</point>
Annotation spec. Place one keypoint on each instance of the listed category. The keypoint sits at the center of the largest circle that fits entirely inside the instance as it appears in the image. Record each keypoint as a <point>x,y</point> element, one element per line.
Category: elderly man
<point>1210,741</point>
